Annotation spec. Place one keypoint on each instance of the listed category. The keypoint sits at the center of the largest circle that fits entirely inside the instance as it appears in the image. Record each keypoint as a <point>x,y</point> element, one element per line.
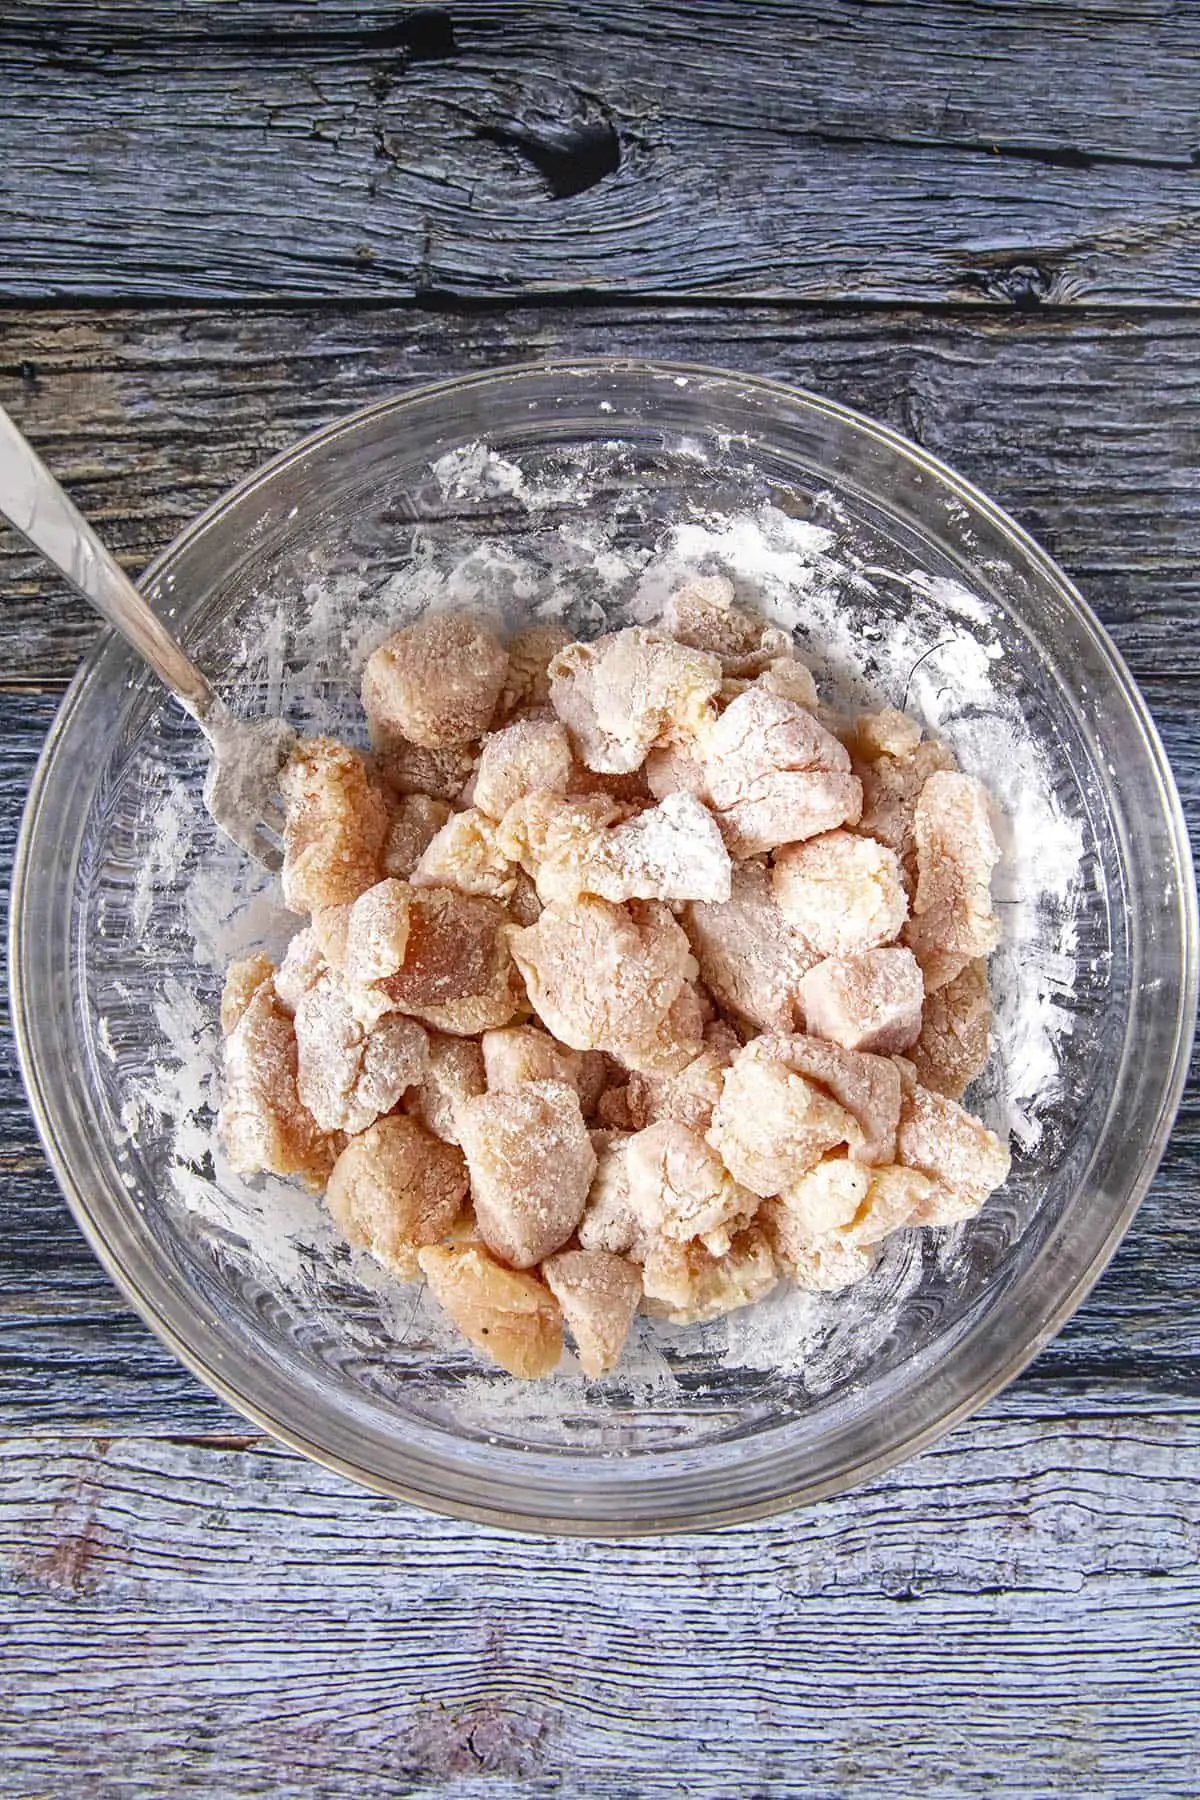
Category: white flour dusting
<point>874,633</point>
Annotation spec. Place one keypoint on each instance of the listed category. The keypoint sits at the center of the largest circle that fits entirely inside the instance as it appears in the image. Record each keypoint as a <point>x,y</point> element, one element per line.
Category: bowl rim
<point>1006,1364</point>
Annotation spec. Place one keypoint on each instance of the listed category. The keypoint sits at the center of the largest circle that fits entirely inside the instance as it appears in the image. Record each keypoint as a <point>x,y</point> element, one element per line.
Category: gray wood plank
<point>1088,429</point>
<point>1012,1614</point>
<point>978,153</point>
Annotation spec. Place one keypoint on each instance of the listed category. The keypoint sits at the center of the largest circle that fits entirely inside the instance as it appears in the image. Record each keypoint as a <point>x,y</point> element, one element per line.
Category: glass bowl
<point>578,492</point>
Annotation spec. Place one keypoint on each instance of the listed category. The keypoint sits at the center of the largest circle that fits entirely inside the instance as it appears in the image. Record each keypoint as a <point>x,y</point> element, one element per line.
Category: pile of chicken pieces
<point>633,978</point>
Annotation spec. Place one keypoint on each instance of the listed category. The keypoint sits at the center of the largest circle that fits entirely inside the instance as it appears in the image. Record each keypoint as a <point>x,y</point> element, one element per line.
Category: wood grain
<point>1088,429</point>
<point>977,153</point>
<point>1012,1614</point>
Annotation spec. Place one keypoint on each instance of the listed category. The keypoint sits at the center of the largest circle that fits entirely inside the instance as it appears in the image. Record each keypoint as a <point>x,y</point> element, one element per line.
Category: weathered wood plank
<point>1011,1614</point>
<point>1087,429</point>
<point>979,153</point>
<point>1106,79</point>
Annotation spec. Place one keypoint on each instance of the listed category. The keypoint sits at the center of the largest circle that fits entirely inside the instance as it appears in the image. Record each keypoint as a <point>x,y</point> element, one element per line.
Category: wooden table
<point>224,225</point>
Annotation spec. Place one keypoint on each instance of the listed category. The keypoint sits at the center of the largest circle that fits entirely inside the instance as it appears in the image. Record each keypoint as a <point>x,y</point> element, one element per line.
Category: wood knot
<point>571,155</point>
<point>1022,285</point>
<point>424,35</point>
<point>482,1738</point>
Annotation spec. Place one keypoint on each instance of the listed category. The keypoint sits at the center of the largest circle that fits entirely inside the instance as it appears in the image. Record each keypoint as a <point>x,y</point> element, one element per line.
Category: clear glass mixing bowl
<point>566,491</point>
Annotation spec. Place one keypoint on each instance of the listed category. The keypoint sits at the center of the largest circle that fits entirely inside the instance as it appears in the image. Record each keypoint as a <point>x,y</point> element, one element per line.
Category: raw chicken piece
<point>759,736</point>
<point>466,855</point>
<point>263,1123</point>
<point>527,680</point>
<point>362,944</point>
<point>829,1266</point>
<point>886,733</point>
<point>685,1283</point>
<point>677,1038</point>
<point>965,1160</point>
<point>867,1086</point>
<point>871,1001</point>
<point>631,789</point>
<point>679,1188</point>
<point>623,1105</point>
<point>751,960</point>
<point>347,1073</point>
<point>590,846</point>
<point>784,677</point>
<point>626,692</point>
<point>513,1318</point>
<point>524,907</point>
<point>455,1073</point>
<point>706,602</point>
<point>891,784</point>
<point>416,820</point>
<point>330,933</point>
<point>689,1097</point>
<point>498,1003</point>
<point>303,964</point>
<point>408,769</point>
<point>609,1220</point>
<point>775,775</point>
<point>555,839</point>
<point>528,757</point>
<point>595,1072</point>
<point>371,942</point>
<point>676,770</point>
<point>599,1295</point>
<point>607,977</point>
<point>839,1207</point>
<point>396,1188</point>
<point>894,1199</point>
<point>955,1032</point>
<point>825,1199</point>
<point>952,921</point>
<point>457,974</point>
<point>703,615</point>
<point>791,680</point>
<point>531,1164</point>
<point>243,979</point>
<point>672,851</point>
<point>772,1124</point>
<point>520,1053</point>
<point>335,826</point>
<point>434,684</point>
<point>842,893</point>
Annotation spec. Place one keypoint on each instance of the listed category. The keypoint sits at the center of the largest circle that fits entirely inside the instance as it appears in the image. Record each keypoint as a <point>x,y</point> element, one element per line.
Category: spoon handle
<point>33,502</point>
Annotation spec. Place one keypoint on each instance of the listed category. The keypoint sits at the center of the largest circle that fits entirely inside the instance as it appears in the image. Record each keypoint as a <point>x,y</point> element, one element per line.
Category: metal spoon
<point>242,788</point>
